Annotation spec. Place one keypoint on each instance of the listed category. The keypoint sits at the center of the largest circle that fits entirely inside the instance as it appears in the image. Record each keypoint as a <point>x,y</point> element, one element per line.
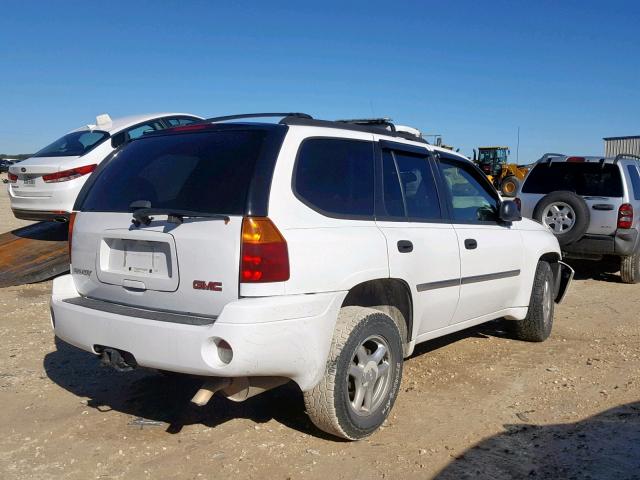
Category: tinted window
<point>392,192</point>
<point>73,144</point>
<point>177,121</point>
<point>588,179</point>
<point>408,184</point>
<point>335,176</point>
<point>418,185</point>
<point>471,200</point>
<point>140,130</point>
<point>635,180</point>
<point>206,172</point>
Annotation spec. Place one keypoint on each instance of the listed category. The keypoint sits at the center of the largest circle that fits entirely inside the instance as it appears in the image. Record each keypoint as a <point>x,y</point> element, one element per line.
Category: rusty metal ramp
<point>33,253</point>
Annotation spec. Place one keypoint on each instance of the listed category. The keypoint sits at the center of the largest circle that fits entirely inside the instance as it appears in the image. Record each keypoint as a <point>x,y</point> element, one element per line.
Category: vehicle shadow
<point>605,446</point>
<point>153,396</point>
<point>44,231</point>
<point>605,271</point>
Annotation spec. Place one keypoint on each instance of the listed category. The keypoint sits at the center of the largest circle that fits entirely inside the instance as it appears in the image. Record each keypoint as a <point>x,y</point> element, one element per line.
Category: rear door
<point>422,245</point>
<point>491,253</point>
<point>183,266</point>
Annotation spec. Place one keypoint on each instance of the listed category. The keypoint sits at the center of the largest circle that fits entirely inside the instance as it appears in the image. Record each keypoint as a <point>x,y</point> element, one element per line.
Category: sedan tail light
<point>66,175</point>
<point>625,216</point>
<point>13,178</point>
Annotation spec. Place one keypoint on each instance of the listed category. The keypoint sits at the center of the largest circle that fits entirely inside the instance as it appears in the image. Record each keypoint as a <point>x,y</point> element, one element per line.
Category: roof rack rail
<point>548,156</point>
<point>625,155</point>
<point>256,115</point>
<point>384,121</point>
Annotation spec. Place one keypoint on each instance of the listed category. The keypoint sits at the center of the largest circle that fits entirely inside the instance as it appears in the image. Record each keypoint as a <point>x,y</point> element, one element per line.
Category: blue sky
<point>567,73</point>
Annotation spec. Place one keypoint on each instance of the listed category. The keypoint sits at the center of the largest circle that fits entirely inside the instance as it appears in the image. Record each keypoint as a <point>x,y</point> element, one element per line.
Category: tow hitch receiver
<point>120,360</point>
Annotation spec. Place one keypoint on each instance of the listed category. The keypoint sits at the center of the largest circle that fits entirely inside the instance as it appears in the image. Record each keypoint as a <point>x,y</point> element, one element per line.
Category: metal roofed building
<point>616,145</point>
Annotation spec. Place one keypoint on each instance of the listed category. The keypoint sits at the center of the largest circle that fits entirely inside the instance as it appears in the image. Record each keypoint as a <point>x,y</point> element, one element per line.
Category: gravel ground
<point>472,405</point>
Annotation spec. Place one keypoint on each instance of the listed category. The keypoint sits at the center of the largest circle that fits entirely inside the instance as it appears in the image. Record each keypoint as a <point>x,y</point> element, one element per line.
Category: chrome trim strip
<point>423,287</point>
<point>490,276</point>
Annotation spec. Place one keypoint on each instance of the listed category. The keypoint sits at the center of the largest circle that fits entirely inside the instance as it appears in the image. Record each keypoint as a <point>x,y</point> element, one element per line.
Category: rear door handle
<point>603,206</point>
<point>405,246</point>
<point>470,244</point>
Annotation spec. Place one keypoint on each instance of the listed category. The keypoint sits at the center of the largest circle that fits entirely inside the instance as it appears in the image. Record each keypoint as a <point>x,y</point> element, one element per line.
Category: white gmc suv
<point>322,252</point>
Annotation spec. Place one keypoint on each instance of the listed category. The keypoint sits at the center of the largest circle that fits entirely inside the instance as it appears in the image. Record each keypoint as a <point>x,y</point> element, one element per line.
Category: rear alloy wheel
<point>362,375</point>
<point>536,327</point>
<point>510,186</point>
<point>630,268</point>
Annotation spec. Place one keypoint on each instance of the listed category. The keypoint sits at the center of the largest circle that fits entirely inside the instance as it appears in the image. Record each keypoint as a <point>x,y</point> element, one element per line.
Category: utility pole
<point>518,148</point>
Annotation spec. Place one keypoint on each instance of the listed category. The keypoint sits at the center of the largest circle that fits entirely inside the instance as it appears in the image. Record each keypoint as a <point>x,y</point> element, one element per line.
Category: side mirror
<point>509,211</point>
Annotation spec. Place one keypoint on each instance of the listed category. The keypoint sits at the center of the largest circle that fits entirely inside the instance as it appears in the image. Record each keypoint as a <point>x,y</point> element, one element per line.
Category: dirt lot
<point>472,405</point>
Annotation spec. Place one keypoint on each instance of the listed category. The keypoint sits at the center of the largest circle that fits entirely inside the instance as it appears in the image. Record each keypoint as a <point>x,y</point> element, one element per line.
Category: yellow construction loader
<point>506,177</point>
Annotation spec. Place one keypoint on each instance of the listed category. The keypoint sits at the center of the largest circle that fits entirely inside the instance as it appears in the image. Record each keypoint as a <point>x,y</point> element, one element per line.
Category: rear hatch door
<point>186,263</point>
<point>598,183</point>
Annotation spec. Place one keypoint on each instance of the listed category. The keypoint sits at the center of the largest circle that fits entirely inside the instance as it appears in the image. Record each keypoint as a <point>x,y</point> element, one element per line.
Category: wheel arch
<point>389,295</point>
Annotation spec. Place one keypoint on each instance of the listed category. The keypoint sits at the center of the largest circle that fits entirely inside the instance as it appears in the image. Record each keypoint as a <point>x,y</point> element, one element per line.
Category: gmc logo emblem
<point>202,285</point>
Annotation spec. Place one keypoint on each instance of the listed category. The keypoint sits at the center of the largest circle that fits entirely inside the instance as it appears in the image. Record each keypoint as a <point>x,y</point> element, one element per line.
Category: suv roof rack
<point>384,122</point>
<point>547,157</point>
<point>383,126</point>
<point>256,115</point>
<point>620,156</point>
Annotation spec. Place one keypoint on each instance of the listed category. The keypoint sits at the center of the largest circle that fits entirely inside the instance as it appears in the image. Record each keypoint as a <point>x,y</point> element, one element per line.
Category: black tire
<point>581,215</point>
<point>329,404</point>
<point>510,186</point>
<point>536,327</point>
<point>630,268</point>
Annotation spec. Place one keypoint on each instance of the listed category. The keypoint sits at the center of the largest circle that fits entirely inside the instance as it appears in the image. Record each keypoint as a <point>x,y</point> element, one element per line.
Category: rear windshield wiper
<point>143,215</point>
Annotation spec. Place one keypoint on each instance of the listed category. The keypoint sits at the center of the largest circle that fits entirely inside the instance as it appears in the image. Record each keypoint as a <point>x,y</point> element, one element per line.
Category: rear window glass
<point>335,176</point>
<point>587,179</point>
<point>73,144</point>
<point>205,172</point>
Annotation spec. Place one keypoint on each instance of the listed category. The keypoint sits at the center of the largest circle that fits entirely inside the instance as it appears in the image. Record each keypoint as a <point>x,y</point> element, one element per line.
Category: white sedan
<point>45,186</point>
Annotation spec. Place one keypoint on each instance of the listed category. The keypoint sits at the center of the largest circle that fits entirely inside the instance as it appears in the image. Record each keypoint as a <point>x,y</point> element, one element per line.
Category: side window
<point>635,180</point>
<point>471,201</point>
<point>392,192</point>
<point>418,186</point>
<point>140,130</point>
<point>335,176</point>
<point>177,121</point>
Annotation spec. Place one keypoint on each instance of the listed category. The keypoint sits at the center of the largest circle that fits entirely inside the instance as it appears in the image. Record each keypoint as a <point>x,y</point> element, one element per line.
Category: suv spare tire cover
<point>576,218</point>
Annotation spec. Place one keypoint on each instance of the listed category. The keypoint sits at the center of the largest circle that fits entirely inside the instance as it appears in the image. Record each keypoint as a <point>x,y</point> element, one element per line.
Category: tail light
<point>13,178</point>
<point>66,175</point>
<point>518,203</point>
<point>625,216</point>
<point>264,255</point>
<point>576,159</point>
<point>72,220</point>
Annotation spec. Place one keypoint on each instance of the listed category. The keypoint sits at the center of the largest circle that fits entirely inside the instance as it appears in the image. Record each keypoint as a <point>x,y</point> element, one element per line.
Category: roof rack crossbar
<point>256,115</point>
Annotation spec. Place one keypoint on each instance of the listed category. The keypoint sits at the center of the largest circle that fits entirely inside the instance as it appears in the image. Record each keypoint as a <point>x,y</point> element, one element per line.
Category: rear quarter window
<point>335,177</point>
<point>635,180</point>
<point>586,179</point>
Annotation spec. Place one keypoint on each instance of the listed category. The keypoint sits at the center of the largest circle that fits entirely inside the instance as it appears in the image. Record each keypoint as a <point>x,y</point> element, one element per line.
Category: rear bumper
<point>41,215</point>
<point>624,242</point>
<point>39,204</point>
<point>287,336</point>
